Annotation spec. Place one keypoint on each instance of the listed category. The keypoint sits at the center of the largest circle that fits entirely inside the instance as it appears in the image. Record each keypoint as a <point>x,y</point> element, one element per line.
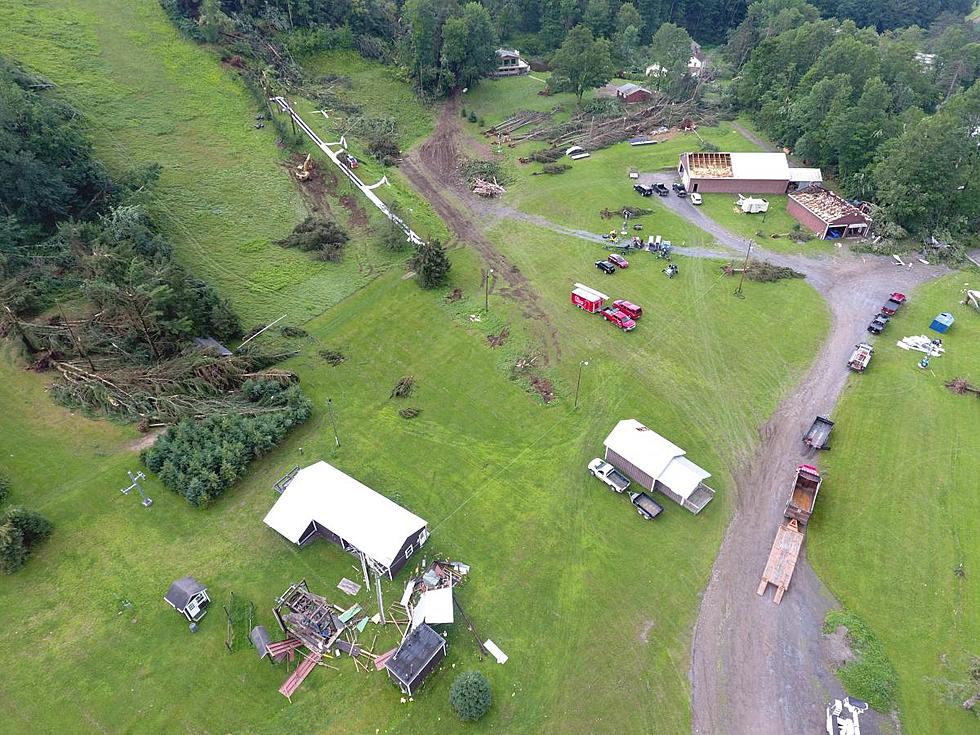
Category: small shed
<point>630,93</point>
<point>188,597</point>
<point>416,658</point>
<point>942,323</point>
<point>657,464</point>
<point>587,298</point>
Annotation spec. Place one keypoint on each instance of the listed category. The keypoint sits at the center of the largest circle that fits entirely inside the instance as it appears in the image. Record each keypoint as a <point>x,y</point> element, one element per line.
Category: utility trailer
<point>860,357</point>
<point>819,432</point>
<point>799,507</point>
<point>782,560</point>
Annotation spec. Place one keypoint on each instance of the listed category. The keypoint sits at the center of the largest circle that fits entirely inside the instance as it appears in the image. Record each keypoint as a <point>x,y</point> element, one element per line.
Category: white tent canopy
<point>655,456</point>
<point>363,518</point>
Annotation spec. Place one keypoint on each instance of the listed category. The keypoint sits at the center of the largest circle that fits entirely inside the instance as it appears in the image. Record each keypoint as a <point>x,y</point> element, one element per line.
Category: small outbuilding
<point>657,464</point>
<point>323,502</point>
<point>942,323</point>
<point>630,93</point>
<point>417,657</point>
<point>188,597</point>
<point>826,214</point>
<point>510,63</point>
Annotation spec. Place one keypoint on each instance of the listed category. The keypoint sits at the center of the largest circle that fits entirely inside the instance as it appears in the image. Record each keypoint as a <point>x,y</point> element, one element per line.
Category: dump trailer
<point>819,432</point>
<point>782,559</point>
<point>804,495</point>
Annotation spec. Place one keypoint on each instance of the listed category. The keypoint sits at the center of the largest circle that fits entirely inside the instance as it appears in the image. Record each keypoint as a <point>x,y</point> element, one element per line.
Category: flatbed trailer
<point>782,560</point>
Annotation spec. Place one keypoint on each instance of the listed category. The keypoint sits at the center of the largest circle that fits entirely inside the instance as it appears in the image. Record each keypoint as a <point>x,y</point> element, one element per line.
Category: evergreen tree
<point>431,265</point>
<point>470,696</point>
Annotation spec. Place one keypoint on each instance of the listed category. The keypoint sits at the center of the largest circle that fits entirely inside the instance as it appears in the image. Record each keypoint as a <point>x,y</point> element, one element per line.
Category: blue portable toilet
<point>942,323</point>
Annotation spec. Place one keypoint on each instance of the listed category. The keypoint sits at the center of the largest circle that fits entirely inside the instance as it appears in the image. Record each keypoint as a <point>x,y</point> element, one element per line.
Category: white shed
<point>321,501</point>
<point>657,464</point>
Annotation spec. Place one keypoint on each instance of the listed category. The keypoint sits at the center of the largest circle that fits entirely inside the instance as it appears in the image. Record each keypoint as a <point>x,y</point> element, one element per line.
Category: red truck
<point>892,305</point>
<point>629,308</point>
<point>619,318</point>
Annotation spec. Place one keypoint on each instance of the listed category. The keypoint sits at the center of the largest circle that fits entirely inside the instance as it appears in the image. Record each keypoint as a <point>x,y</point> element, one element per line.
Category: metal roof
<point>760,166</point>
<point>418,648</point>
<point>371,522</point>
<point>629,88</point>
<point>810,175</point>
<point>655,456</point>
<point>435,607</point>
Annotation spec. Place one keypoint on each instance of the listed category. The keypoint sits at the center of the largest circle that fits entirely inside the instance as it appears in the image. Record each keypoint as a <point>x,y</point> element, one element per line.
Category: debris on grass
<point>617,213</point>
<point>332,356</point>
<point>871,676</point>
<point>409,413</point>
<point>497,340</point>
<point>455,295</point>
<point>555,168</point>
<point>293,332</point>
<point>404,387</point>
<point>543,387</point>
<point>961,386</point>
<point>762,271</point>
<point>473,170</point>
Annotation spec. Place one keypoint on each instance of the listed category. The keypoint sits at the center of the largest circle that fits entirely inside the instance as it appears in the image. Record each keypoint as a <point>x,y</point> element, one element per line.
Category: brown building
<point>827,214</point>
<point>630,93</point>
<point>743,173</point>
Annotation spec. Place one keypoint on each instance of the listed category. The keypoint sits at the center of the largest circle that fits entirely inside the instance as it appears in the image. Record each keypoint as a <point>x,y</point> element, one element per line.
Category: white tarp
<point>336,501</point>
<point>921,343</point>
<point>495,651</point>
<point>752,205</point>
<point>655,456</point>
<point>434,607</point>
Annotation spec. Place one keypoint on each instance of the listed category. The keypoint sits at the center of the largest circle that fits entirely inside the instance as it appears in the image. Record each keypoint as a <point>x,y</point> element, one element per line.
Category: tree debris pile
<point>762,271</point>
<point>962,387</point>
<point>403,388</point>
<point>488,189</point>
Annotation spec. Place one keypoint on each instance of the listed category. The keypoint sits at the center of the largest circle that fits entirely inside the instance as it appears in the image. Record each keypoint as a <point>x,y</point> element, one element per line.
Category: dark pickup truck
<point>878,324</point>
<point>646,506</point>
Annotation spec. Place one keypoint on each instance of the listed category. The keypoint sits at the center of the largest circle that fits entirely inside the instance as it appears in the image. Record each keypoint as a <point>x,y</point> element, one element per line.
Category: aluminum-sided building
<point>743,173</point>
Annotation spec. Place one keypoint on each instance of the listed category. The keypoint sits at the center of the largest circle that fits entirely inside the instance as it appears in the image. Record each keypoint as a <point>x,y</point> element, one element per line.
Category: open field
<point>593,605</point>
<point>777,221</point>
<point>900,500</point>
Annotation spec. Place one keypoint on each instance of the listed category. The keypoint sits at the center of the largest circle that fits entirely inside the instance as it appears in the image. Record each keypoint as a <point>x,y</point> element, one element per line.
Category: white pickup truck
<point>615,479</point>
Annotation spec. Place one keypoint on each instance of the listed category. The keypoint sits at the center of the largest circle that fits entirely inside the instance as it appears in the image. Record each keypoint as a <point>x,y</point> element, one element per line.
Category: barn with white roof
<point>322,502</point>
<point>743,173</point>
<point>657,464</point>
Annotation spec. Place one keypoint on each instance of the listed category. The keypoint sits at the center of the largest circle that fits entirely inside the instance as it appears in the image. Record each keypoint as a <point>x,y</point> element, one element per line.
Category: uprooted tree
<point>322,237</point>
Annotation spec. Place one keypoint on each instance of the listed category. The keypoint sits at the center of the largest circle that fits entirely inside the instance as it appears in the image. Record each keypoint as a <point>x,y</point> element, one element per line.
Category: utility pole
<point>147,502</point>
<point>741,276</point>
<point>578,381</point>
<point>486,290</point>
<point>336,436</point>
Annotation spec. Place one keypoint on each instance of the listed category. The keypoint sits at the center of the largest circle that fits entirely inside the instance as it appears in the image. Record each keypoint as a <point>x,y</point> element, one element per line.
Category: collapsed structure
<point>657,464</point>
<point>826,214</point>
<point>320,501</point>
<point>750,173</point>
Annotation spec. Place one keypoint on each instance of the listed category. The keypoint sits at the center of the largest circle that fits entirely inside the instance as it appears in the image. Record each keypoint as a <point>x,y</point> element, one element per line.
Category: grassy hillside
<point>152,96</point>
<point>901,497</point>
<point>593,605</point>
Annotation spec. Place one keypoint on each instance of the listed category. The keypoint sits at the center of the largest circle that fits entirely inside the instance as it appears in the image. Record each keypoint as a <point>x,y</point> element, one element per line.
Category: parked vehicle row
<point>646,507</point>
<point>660,189</point>
<point>622,313</point>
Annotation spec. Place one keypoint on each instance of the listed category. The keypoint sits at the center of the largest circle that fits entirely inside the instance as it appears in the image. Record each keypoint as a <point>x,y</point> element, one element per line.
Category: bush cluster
<point>469,696</point>
<point>21,530</point>
<point>201,459</point>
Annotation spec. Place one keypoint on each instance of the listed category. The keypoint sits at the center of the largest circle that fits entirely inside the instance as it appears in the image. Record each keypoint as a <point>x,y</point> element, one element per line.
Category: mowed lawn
<point>901,497</point>
<point>593,604</point>
<point>768,229</point>
<point>150,95</point>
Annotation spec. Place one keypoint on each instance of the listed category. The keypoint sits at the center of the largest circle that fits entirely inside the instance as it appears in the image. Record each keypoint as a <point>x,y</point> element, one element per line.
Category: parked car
<point>662,189</point>
<point>619,260</point>
<point>695,198</point>
<point>682,192</point>
<point>619,318</point>
<point>677,186</point>
<point>605,266</point>
<point>643,190</point>
<point>646,506</point>
<point>629,308</point>
<point>893,304</point>
<point>878,324</point>
<point>604,471</point>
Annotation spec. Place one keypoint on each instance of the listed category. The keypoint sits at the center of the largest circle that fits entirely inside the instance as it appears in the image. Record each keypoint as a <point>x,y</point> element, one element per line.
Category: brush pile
<point>488,188</point>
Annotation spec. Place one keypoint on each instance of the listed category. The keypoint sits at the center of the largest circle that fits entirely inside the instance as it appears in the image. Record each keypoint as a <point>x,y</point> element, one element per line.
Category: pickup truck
<point>878,324</point>
<point>893,304</point>
<point>604,471</point>
<point>629,308</point>
<point>619,318</point>
<point>661,189</point>
<point>643,190</point>
<point>860,358</point>
<point>646,506</point>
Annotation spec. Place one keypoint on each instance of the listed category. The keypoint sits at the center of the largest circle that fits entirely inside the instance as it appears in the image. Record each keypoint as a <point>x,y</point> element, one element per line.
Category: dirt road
<point>755,666</point>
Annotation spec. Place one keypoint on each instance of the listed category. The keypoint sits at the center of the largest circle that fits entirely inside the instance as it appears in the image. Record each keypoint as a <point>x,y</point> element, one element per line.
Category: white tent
<point>752,205</point>
<point>434,607</point>
<point>657,464</point>
<point>323,497</point>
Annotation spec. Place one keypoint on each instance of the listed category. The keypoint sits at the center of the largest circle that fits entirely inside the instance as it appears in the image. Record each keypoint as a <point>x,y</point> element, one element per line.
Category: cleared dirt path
<point>755,666</point>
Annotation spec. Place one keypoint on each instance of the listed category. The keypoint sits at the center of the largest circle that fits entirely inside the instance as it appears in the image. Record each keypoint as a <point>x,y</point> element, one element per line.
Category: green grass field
<point>899,509</point>
<point>761,227</point>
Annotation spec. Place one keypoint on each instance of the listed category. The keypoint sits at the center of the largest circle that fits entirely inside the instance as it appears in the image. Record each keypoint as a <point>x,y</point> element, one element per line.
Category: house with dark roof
<point>417,657</point>
<point>828,215</point>
<point>188,597</point>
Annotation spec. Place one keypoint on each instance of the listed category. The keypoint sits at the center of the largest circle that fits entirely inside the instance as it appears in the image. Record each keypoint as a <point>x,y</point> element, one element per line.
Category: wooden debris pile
<point>512,124</point>
<point>488,189</point>
<point>961,386</point>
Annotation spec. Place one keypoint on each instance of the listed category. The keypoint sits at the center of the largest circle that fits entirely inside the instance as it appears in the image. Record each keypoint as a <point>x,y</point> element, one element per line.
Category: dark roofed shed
<point>417,657</point>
